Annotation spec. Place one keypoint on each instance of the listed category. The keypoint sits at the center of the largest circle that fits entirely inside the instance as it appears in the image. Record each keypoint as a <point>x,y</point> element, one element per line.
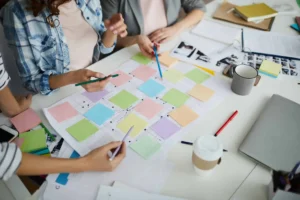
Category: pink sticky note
<point>121,79</point>
<point>63,112</point>
<point>144,72</point>
<point>26,120</point>
<point>148,108</point>
<point>19,142</point>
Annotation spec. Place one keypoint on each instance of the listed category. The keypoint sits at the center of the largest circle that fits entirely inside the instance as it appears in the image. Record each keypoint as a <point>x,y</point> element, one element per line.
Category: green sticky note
<point>33,140</point>
<point>197,76</point>
<point>146,146</point>
<point>123,99</point>
<point>82,130</point>
<point>173,75</point>
<point>132,120</point>
<point>140,58</point>
<point>175,97</point>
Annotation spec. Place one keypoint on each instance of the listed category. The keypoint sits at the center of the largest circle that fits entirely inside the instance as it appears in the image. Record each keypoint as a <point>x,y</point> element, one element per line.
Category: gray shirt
<point>132,13</point>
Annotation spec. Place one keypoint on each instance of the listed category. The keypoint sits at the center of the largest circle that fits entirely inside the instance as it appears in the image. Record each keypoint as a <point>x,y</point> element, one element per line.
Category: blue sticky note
<point>99,114</point>
<point>151,88</point>
<point>296,27</point>
<point>63,177</point>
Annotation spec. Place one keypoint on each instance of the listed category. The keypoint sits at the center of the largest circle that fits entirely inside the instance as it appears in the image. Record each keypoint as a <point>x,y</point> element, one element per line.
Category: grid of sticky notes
<point>121,79</point>
<point>140,58</point>
<point>63,112</point>
<point>167,60</point>
<point>175,97</point>
<point>151,88</point>
<point>82,130</point>
<point>173,75</point>
<point>132,120</point>
<point>99,114</point>
<point>124,99</point>
<point>144,73</point>
<point>95,96</point>
<point>201,93</point>
<point>183,115</point>
<point>197,76</point>
<point>146,146</point>
<point>148,108</point>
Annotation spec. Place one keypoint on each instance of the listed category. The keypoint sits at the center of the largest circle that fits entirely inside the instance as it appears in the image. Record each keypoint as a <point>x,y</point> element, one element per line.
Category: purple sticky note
<point>95,96</point>
<point>165,128</point>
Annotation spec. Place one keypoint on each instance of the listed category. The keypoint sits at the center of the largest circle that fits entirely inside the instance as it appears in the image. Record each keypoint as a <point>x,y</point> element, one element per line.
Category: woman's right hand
<point>145,45</point>
<point>83,75</point>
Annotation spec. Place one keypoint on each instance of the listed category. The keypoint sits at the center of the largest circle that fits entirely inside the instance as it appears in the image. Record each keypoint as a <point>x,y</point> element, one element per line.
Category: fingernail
<point>152,53</point>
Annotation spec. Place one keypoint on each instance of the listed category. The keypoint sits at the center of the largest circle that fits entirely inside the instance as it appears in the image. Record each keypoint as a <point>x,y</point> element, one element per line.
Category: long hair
<point>38,5</point>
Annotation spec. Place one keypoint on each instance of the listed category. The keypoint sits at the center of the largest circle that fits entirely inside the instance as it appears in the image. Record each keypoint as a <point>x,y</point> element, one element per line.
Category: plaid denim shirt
<point>40,50</point>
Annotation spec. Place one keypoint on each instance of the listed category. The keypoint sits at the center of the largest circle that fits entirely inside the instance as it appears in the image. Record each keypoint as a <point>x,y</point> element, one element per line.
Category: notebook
<point>226,13</point>
<point>274,139</point>
<point>270,68</point>
<point>255,12</point>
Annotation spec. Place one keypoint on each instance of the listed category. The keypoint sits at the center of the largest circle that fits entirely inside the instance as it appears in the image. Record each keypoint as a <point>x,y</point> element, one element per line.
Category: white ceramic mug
<point>207,153</point>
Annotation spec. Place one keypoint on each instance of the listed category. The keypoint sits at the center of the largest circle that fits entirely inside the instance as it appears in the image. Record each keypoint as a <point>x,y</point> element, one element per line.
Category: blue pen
<point>157,60</point>
<point>119,147</point>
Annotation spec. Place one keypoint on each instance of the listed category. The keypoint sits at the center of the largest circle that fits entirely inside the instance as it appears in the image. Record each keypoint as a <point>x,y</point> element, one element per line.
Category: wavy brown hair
<point>38,5</point>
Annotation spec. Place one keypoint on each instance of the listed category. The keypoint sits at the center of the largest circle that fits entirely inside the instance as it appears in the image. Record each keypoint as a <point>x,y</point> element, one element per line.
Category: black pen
<point>190,143</point>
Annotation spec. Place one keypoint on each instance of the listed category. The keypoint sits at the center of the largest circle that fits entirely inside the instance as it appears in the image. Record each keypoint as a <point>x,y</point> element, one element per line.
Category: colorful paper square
<point>144,73</point>
<point>82,130</point>
<point>175,97</point>
<point>99,114</point>
<point>184,115</point>
<point>132,120</point>
<point>95,96</point>
<point>167,60</point>
<point>197,76</point>
<point>63,112</point>
<point>201,93</point>
<point>165,128</point>
<point>173,75</point>
<point>26,120</point>
<point>124,99</point>
<point>140,58</point>
<point>121,79</point>
<point>148,108</point>
<point>151,88</point>
<point>146,146</point>
<point>33,140</point>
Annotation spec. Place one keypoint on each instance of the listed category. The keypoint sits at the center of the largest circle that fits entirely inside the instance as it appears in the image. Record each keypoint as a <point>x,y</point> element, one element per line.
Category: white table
<point>237,177</point>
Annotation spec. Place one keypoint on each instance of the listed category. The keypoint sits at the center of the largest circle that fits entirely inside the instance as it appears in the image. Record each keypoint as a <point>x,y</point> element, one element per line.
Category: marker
<point>157,61</point>
<point>97,80</point>
<point>119,147</point>
<point>226,123</point>
<point>52,138</point>
<point>190,143</point>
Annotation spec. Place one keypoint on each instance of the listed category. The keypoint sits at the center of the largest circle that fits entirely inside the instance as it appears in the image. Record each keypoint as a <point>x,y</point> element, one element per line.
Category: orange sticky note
<point>183,115</point>
<point>26,120</point>
<point>167,60</point>
<point>201,93</point>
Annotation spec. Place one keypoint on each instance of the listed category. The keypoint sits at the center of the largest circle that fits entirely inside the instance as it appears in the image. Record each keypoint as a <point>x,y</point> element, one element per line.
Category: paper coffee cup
<point>207,153</point>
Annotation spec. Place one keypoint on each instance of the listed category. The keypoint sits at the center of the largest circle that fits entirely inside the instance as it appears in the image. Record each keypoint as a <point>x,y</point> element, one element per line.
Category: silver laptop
<point>274,139</point>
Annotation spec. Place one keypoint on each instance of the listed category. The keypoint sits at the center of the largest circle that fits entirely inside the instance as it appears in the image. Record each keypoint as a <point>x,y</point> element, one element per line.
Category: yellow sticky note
<point>132,120</point>
<point>270,68</point>
<point>201,93</point>
<point>212,72</point>
<point>183,115</point>
<point>167,60</point>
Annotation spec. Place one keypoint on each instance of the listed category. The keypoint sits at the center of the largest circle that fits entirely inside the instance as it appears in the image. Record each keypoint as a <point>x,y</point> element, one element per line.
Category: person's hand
<point>146,46</point>
<point>115,25</point>
<point>98,159</point>
<point>24,102</point>
<point>83,75</point>
<point>164,34</point>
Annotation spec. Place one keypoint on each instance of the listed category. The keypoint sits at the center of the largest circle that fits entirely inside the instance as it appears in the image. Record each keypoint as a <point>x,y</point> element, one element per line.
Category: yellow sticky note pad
<point>183,115</point>
<point>270,68</point>
<point>167,60</point>
<point>132,120</point>
<point>201,93</point>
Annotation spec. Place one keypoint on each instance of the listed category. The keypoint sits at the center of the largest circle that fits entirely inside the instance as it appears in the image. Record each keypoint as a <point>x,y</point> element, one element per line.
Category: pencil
<point>157,60</point>
<point>48,132</point>
<point>96,80</point>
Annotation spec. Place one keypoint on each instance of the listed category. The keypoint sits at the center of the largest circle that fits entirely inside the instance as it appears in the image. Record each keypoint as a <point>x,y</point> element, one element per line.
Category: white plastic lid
<point>208,148</point>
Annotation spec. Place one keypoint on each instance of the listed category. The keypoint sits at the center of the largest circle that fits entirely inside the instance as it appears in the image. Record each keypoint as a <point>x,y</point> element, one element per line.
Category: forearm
<point>8,104</point>
<point>58,81</point>
<point>190,19</point>
<point>127,41</point>
<point>108,39</point>
<point>39,165</point>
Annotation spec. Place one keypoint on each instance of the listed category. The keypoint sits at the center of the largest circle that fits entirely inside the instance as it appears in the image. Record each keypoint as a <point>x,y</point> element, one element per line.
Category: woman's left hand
<point>116,25</point>
<point>164,34</point>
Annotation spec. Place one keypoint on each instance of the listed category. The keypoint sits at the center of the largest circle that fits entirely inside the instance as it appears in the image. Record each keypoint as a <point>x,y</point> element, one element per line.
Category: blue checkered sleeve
<point>103,48</point>
<point>33,78</point>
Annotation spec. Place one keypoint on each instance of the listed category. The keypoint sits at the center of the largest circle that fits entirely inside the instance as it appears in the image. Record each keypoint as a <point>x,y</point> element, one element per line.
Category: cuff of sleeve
<point>44,83</point>
<point>14,165</point>
<point>107,50</point>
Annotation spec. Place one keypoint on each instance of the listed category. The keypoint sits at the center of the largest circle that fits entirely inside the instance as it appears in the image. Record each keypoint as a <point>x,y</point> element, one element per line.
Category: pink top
<point>154,14</point>
<point>81,37</point>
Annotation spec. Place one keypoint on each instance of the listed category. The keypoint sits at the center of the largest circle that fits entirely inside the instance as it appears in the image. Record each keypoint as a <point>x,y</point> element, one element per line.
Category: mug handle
<point>257,80</point>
